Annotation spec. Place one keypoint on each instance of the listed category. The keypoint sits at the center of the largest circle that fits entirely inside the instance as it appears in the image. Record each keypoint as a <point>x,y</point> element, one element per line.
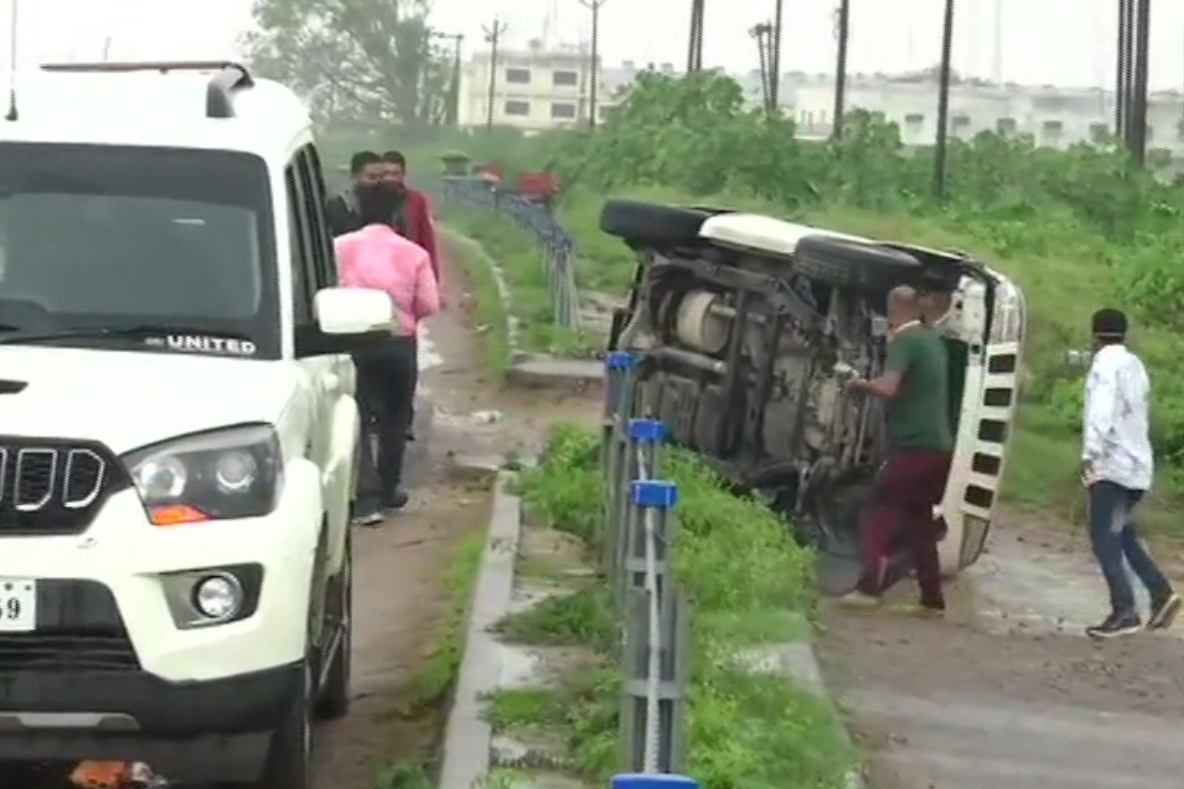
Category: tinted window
<point>114,235</point>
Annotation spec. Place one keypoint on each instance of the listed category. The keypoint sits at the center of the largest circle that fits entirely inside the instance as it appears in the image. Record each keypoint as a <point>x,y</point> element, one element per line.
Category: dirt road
<point>1008,691</point>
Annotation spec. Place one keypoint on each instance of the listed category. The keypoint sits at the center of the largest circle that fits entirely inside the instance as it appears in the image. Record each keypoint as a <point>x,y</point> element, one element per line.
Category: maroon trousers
<point>900,513</point>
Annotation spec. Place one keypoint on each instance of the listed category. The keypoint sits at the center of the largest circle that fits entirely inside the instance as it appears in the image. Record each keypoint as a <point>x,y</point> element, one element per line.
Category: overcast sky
<point>1065,42</point>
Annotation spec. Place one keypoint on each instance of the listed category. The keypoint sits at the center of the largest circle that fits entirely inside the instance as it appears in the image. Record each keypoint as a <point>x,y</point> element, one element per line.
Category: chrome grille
<point>53,486</point>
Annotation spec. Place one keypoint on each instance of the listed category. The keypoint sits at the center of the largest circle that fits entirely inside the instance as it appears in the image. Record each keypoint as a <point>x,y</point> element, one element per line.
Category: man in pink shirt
<point>377,257</point>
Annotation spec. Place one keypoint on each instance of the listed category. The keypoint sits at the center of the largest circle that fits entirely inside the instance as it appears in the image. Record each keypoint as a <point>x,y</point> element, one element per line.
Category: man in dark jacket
<point>342,212</point>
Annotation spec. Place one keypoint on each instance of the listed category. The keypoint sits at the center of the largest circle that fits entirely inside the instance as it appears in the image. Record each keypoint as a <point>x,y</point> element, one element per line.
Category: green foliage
<point>566,489</point>
<point>373,59</point>
<point>581,618</point>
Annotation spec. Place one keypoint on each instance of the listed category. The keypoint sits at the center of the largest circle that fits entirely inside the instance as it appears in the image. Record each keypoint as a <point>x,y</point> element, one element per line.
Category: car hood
<point>129,400</point>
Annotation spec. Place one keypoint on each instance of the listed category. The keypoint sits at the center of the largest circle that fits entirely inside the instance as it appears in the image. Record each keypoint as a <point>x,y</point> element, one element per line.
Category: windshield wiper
<point>113,330</point>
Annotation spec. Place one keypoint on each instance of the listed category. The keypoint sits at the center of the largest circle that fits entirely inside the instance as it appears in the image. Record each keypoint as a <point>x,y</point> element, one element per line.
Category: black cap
<point>1109,323</point>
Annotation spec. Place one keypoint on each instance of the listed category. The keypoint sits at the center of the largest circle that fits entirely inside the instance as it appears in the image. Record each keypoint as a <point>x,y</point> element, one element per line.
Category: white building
<point>532,89</point>
<point>1051,116</point>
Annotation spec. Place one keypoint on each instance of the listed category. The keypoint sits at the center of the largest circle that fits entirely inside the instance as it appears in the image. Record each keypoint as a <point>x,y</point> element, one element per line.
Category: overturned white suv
<point>743,319</point>
<point>177,425</point>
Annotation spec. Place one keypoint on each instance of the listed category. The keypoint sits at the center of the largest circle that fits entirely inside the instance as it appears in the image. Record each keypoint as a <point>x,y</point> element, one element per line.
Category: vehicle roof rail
<point>230,77</point>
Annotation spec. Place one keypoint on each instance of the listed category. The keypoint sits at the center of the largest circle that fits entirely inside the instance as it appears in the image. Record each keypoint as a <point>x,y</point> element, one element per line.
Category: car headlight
<point>230,473</point>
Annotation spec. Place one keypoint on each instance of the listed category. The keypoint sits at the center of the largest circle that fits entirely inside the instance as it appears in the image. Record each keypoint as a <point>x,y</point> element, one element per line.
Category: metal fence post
<point>618,407</point>
<point>655,636</point>
<point>642,462</point>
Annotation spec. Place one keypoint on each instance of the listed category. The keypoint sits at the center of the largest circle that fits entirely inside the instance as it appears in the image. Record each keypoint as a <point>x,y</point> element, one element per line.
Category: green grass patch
<point>413,774</point>
<point>582,618</point>
<point>434,679</point>
<point>490,313</point>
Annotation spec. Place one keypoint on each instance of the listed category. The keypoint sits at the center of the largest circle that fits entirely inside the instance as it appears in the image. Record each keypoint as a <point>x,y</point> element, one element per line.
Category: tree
<point>354,59</point>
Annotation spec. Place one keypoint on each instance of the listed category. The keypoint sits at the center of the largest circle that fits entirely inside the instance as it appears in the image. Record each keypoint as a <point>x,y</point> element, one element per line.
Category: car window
<point>316,198</point>
<point>302,291</point>
<point>108,234</point>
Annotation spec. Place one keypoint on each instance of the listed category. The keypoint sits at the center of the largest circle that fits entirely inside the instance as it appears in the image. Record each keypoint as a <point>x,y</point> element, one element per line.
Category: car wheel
<point>289,760</point>
<point>335,696</point>
<point>845,263</point>
<point>652,224</point>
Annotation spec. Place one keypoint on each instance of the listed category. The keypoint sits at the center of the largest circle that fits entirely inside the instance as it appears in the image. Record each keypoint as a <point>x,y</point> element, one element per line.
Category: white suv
<point>177,425</point>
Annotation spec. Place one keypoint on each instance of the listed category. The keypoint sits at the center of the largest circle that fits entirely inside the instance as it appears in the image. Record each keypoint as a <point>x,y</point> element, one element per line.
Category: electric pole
<point>775,56</point>
<point>1137,117</point>
<point>843,33</point>
<point>594,7</point>
<point>762,33</point>
<point>943,103</point>
<point>1122,90</point>
<point>493,36</point>
<point>695,45</point>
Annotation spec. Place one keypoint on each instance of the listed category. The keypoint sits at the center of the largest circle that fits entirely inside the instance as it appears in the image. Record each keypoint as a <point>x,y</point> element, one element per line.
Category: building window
<point>961,122</point>
<point>1006,126</point>
<point>1051,131</point>
<point>517,108</point>
<point>563,112</point>
<point>519,76</point>
<point>565,78</point>
<point>913,122</point>
<point>1099,133</point>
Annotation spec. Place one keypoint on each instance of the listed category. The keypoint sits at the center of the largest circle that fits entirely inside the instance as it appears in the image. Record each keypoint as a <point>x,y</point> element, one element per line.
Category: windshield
<point>96,235</point>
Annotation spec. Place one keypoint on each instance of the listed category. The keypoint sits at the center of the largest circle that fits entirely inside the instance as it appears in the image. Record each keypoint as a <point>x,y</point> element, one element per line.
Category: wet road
<point>1008,691</point>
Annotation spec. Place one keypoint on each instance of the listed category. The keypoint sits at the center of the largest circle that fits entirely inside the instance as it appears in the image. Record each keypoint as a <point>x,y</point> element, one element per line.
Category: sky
<point>1061,42</point>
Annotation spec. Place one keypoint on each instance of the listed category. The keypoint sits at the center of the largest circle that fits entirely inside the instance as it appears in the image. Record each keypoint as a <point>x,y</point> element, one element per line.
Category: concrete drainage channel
<point>473,753</point>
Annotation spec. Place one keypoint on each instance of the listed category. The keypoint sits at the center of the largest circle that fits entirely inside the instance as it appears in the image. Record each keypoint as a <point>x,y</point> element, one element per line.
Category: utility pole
<point>843,33</point>
<point>493,36</point>
<point>594,7</point>
<point>1122,90</point>
<point>943,103</point>
<point>695,45</point>
<point>775,57</point>
<point>1137,117</point>
<point>107,49</point>
<point>762,33</point>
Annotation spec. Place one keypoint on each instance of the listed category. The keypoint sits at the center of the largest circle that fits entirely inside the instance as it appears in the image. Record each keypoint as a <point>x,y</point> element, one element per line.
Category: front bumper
<point>189,732</point>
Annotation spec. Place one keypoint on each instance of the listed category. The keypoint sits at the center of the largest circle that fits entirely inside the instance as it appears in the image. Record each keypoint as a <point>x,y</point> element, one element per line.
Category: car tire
<point>335,696</point>
<point>289,759</point>
<point>845,263</point>
<point>652,224</point>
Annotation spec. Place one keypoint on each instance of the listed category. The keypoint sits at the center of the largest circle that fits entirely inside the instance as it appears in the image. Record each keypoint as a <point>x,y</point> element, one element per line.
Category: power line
<point>493,37</point>
<point>594,7</point>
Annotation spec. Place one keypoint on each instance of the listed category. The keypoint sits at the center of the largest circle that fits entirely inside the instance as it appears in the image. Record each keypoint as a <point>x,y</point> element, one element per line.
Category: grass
<point>490,311</point>
<point>749,584</point>
<point>434,679</point>
<point>522,264</point>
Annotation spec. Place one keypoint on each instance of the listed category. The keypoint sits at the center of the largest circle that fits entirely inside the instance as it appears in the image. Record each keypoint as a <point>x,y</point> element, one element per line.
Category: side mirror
<point>344,311</point>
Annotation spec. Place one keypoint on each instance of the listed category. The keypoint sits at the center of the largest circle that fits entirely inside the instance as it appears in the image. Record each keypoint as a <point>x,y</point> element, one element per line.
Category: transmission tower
<point>762,33</point>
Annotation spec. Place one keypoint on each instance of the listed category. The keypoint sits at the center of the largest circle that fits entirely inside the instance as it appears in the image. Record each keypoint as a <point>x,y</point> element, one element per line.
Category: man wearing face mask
<point>1117,469</point>
<point>343,211</point>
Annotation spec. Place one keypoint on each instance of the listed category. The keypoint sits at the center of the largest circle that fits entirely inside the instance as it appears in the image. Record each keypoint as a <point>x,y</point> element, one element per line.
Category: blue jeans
<point>1114,538</point>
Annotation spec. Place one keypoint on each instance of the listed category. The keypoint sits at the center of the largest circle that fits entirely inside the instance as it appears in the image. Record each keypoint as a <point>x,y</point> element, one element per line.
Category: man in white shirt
<point>1117,468</point>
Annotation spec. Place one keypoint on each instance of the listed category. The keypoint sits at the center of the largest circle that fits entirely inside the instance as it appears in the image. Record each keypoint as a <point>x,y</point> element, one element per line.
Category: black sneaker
<point>1164,612</point>
<point>1116,626</point>
<point>397,505</point>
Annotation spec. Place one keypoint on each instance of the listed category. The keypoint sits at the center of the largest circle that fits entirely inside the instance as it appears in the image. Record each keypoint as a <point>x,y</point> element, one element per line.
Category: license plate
<point>18,605</point>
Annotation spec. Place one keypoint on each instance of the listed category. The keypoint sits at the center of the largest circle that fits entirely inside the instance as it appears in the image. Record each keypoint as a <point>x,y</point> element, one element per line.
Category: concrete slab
<point>467,736</point>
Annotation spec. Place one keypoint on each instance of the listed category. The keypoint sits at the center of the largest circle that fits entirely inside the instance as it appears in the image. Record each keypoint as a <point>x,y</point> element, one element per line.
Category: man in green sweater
<point>915,388</point>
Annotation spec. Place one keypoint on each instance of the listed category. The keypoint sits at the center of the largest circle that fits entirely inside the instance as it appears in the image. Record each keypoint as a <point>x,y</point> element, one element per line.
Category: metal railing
<point>557,251</point>
<point>638,539</point>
